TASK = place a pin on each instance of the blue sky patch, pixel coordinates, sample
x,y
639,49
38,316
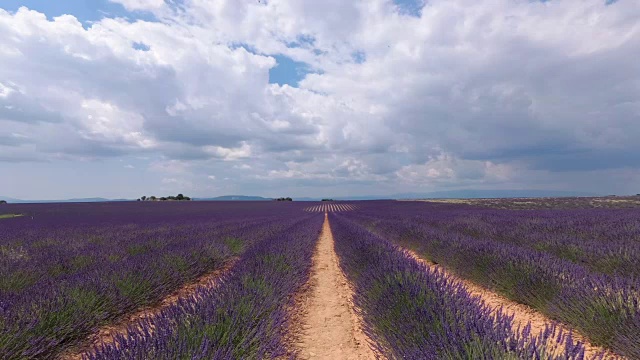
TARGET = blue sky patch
x,y
141,46
288,71
303,41
86,11
359,57
247,47
410,7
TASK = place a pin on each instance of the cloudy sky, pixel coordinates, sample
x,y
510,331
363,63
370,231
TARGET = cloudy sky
x,y
122,98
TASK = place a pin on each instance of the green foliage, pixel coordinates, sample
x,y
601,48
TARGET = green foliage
x,y
177,262
45,243
179,197
235,245
137,249
56,270
17,281
278,262
80,302
81,261
134,287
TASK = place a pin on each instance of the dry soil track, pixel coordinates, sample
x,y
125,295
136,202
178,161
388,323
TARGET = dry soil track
x,y
107,333
522,314
330,329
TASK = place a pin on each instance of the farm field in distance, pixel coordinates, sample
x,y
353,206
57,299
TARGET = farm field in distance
x,y
444,279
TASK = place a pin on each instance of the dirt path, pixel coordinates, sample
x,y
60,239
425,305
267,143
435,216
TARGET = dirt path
x,y
330,328
522,314
106,334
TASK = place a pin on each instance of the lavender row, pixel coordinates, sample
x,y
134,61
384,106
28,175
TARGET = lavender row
x,y
413,312
72,268
605,308
244,318
605,241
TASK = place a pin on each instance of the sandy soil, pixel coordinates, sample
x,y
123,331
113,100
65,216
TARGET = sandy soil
x,y
329,327
523,314
107,333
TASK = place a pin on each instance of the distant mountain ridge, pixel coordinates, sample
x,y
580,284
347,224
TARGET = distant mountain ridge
x,y
478,194
99,199
234,198
78,200
449,194
462,194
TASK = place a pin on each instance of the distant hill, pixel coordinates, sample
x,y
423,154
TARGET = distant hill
x,y
99,199
346,198
460,194
234,198
79,200
479,194
93,200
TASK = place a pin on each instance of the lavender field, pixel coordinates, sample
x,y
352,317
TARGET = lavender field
x,y
579,267
69,270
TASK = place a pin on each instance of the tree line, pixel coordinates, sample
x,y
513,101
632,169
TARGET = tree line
x,y
179,197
